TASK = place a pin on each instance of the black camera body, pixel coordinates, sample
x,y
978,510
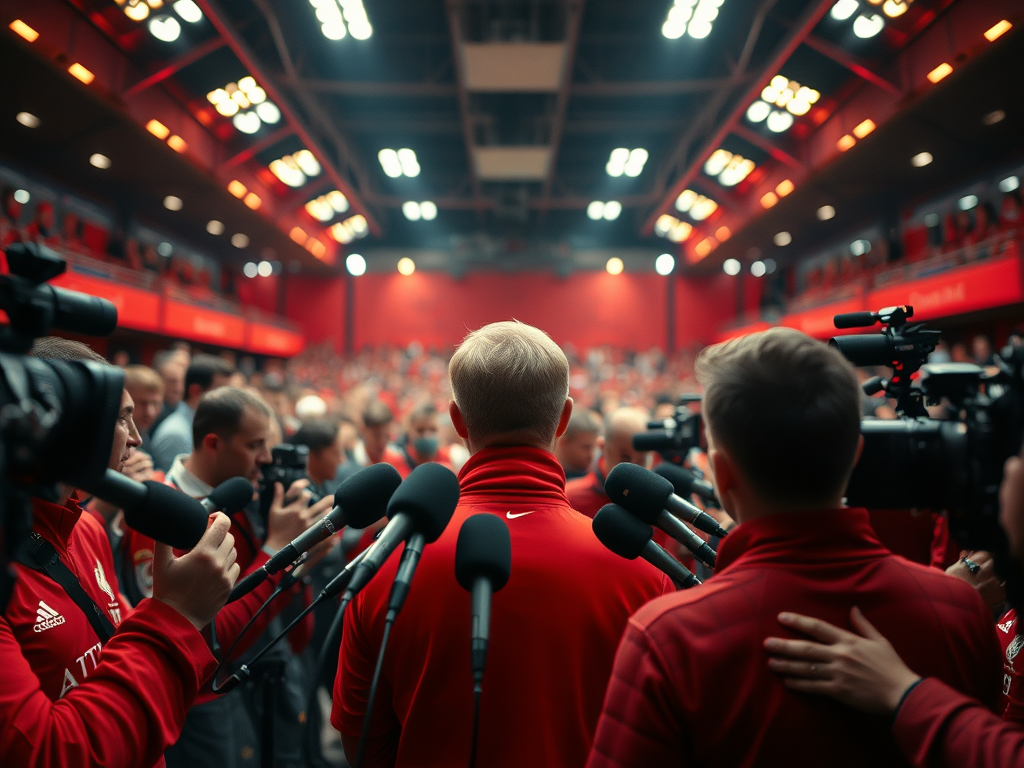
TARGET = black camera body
x,y
954,464
288,463
673,438
56,417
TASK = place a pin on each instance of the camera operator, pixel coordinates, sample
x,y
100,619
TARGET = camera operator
x,y
586,494
62,702
555,624
782,417
322,437
934,724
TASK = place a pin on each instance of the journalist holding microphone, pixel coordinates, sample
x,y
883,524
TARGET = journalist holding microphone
x,y
554,626
87,680
690,684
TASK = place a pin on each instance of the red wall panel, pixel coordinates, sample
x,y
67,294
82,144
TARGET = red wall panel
x,y
703,306
317,305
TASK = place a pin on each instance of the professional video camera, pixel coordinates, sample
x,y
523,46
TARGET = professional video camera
x,y
673,438
288,463
953,464
56,418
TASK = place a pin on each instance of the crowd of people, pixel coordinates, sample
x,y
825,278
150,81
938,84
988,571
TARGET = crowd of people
x,y
593,659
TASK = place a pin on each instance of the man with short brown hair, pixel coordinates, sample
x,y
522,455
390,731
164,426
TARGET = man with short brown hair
x,y
690,684
555,624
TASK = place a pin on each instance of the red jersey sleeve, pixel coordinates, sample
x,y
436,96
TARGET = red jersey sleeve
x,y
640,723
938,727
128,711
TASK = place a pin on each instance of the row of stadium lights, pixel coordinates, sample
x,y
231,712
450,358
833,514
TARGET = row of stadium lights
x,y
356,265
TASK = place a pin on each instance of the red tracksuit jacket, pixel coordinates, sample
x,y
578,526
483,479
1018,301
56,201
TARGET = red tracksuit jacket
x,y
691,684
554,630
138,690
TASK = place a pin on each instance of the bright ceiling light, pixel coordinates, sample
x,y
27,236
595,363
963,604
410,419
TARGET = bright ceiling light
x,y
158,129
758,111
967,202
705,246
79,72
237,188
246,102
939,72
612,209
165,28
895,8
664,264
215,227
690,16
845,143
239,240
635,164
294,169
99,161
136,12
410,165
250,269
729,168
616,164
685,200
595,211
784,187
355,264
680,231
921,159
428,210
768,199
844,9
406,266
860,247
731,267
252,200
722,234
19,27
268,112
778,122
782,239
868,26
998,30
298,235
863,128
664,223
389,163
1009,184
22,196
247,122
265,269
411,210
188,11
825,213
614,266
27,119
757,269
172,203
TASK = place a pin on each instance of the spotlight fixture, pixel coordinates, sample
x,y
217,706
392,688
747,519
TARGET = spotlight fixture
x,y
298,235
245,102
722,234
250,269
664,264
698,206
265,269
939,72
22,196
614,266
729,168
27,119
411,210
188,11
758,269
780,100
158,129
402,162
1009,184
782,239
22,29
768,199
172,203
237,188
690,16
355,264
428,210
239,240
350,229
921,159
731,267
295,169
863,128
215,227
825,213
967,202
784,187
998,30
705,246
860,247
99,161
845,142
325,207
332,19
252,200
406,266
79,72
672,228
165,28
629,162
844,9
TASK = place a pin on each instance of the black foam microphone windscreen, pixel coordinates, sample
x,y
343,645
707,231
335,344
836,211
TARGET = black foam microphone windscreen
x,y
483,550
168,515
641,491
365,495
232,495
623,533
428,496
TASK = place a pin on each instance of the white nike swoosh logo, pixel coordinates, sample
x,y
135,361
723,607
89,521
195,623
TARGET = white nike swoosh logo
x,y
510,516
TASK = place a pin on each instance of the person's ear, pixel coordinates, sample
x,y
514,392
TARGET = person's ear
x,y
563,421
211,442
457,421
723,472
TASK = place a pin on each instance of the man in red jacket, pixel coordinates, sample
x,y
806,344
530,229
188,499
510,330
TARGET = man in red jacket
x,y
554,626
690,685
69,697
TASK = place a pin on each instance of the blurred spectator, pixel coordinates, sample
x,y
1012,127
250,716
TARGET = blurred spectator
x,y
10,219
577,447
958,353
1009,213
325,454
42,228
586,494
376,434
147,390
981,348
310,407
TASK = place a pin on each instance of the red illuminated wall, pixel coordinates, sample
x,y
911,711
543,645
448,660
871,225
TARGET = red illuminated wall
x,y
586,309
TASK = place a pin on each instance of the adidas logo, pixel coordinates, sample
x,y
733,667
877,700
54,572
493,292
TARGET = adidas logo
x,y
46,618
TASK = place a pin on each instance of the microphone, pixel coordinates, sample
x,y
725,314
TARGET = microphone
x,y
643,492
153,509
630,537
686,482
229,497
423,503
359,501
483,562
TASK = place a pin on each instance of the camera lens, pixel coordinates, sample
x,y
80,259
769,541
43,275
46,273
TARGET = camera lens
x,y
865,349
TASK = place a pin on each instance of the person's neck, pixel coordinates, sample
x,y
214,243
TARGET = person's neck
x,y
753,510
193,402
196,468
475,446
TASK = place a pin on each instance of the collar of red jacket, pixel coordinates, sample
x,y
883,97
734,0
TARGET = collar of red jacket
x,y
513,473
825,535
55,522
